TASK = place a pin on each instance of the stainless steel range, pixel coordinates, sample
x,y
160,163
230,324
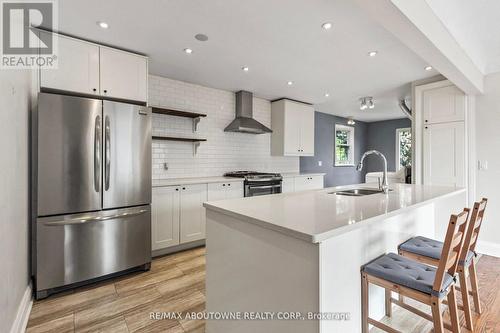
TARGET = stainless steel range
x,y
258,183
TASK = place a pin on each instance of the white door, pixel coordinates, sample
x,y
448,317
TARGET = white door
x,y
443,104
165,217
444,154
216,191
192,212
292,128
307,131
78,67
123,75
234,190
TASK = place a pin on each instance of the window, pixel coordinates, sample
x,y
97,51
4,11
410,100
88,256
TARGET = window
x,y
344,145
403,147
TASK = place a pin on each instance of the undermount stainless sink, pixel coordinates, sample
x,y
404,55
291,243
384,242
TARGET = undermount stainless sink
x,y
357,192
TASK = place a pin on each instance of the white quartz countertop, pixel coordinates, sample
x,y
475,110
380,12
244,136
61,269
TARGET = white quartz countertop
x,y
298,174
193,180
316,215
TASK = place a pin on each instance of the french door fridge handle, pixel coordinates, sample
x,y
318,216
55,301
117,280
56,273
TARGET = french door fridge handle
x,y
97,154
107,148
83,220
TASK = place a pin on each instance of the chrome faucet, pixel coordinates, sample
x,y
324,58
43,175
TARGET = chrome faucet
x,y
385,185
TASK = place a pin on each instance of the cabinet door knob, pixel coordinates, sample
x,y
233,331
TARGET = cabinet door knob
x,y
228,184
426,127
223,184
94,89
177,189
183,188
105,91
426,120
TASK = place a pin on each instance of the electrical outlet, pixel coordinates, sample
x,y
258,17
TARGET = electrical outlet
x,y
482,165
320,163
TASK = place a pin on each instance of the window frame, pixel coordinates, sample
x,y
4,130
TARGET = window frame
x,y
398,156
351,130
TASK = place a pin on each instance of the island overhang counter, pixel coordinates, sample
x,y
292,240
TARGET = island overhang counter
x,y
299,254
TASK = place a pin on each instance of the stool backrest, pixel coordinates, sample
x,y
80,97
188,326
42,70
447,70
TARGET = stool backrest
x,y
474,227
452,247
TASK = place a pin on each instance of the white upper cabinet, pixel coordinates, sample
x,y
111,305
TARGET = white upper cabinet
x,y
443,104
293,128
91,69
78,67
123,75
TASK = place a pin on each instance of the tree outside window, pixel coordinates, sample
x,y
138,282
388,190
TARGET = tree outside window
x,y
403,147
344,145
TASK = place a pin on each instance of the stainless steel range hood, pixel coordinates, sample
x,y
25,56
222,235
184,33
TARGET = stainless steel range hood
x,y
244,121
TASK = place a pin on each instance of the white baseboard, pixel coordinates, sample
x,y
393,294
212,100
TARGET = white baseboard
x,y
23,312
488,248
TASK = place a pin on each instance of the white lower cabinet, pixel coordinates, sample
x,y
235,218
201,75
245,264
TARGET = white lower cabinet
x,y
222,191
192,212
165,217
288,185
178,215
303,183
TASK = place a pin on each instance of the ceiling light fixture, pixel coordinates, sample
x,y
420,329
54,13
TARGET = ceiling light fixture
x,y
326,25
188,50
201,37
350,121
289,83
366,103
372,53
245,68
327,95
428,68
103,25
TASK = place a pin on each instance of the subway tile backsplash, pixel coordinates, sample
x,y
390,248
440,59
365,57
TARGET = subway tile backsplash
x,y
223,151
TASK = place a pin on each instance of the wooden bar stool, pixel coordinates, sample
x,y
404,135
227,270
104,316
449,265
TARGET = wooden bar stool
x,y
428,251
421,282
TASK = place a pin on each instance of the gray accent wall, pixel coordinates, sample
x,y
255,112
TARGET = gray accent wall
x,y
380,135
324,146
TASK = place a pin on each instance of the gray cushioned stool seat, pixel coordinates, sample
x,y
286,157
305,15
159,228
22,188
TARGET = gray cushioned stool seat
x,y
428,247
406,272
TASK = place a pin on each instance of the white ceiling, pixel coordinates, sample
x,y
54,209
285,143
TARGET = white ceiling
x,y
278,40
475,25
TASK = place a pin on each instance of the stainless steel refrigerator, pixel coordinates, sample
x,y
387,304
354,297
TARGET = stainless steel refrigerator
x,y
91,190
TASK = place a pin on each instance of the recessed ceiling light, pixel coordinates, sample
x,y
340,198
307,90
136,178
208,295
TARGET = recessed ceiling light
x,y
103,25
188,50
289,83
326,25
428,68
372,53
245,68
201,37
327,95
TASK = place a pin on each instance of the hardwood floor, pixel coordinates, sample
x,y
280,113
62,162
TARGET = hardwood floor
x,y
175,283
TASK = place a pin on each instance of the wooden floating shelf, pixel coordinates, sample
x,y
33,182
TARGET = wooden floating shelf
x,y
178,113
172,138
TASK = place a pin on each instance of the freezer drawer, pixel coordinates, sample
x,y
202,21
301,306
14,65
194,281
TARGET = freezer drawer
x,y
69,154
79,247
127,155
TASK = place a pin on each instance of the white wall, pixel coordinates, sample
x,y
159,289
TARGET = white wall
x,y
223,151
14,192
488,149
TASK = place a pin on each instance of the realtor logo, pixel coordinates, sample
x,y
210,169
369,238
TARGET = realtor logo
x,y
23,45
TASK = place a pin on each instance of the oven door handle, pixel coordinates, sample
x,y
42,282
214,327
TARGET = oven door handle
x,y
263,187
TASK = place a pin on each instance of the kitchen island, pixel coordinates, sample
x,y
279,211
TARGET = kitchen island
x,y
294,259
